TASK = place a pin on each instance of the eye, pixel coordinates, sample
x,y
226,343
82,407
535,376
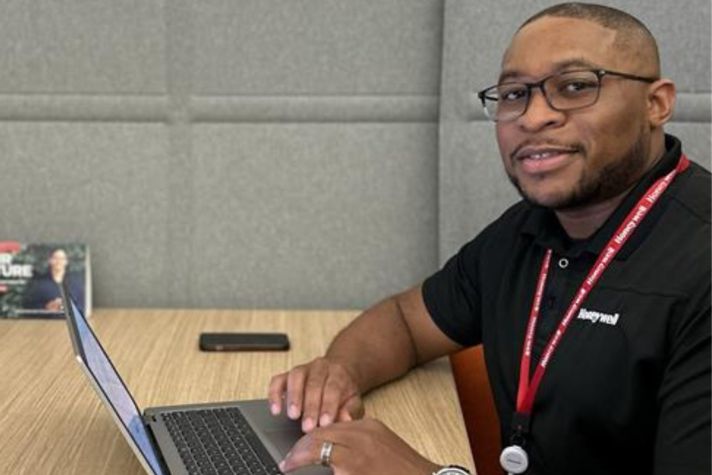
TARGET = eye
x,y
512,93
576,87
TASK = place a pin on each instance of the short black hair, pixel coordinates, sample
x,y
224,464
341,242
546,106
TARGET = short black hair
x,y
630,30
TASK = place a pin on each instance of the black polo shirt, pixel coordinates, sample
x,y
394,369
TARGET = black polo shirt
x,y
628,389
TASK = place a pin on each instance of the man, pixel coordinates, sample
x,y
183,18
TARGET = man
x,y
591,296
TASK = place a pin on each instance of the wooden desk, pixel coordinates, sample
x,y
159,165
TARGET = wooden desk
x,y
52,422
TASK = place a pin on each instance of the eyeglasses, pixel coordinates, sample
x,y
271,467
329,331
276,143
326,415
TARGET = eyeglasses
x,y
563,92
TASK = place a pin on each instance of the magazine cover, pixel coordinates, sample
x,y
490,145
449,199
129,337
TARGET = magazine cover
x,y
31,275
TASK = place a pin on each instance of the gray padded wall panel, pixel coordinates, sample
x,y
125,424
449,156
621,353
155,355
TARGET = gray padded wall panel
x,y
473,188
76,46
103,184
271,153
695,139
263,215
322,47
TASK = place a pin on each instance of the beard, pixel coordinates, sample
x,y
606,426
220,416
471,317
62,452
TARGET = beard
x,y
595,186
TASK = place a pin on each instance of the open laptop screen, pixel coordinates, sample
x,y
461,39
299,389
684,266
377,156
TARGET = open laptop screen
x,y
109,382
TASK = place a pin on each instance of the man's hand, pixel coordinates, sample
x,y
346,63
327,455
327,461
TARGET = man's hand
x,y
320,392
364,447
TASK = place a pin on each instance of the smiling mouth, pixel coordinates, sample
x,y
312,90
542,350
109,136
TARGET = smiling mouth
x,y
543,159
541,153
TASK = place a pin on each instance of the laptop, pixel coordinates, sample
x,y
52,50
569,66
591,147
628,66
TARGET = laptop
x,y
239,437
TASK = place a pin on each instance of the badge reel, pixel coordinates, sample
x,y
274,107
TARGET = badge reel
x,y
514,460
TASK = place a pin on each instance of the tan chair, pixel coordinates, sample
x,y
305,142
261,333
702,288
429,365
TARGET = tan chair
x,y
478,409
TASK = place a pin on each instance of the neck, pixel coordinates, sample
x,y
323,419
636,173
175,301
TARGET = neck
x,y
58,276
581,223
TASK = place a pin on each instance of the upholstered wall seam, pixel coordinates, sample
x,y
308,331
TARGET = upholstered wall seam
x,y
315,108
177,259
84,107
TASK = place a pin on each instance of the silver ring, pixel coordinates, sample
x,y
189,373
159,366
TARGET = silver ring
x,y
325,456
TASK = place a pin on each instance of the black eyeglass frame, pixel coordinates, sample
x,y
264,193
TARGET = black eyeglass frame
x,y
600,73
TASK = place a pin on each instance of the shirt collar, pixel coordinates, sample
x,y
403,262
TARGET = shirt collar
x,y
544,226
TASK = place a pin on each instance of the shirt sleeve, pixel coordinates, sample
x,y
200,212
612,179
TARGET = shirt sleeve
x,y
683,438
452,296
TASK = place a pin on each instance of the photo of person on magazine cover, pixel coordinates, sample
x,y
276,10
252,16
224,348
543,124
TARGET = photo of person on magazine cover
x,y
44,289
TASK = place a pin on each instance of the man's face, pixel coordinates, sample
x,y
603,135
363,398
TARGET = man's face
x,y
567,160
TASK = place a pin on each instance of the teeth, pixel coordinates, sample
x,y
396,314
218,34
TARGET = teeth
x,y
539,156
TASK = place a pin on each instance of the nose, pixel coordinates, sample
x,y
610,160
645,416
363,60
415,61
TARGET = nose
x,y
539,114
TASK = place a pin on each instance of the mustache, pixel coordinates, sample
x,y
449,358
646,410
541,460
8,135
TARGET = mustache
x,y
546,143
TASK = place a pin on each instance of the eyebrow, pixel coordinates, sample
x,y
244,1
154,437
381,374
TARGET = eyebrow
x,y
558,67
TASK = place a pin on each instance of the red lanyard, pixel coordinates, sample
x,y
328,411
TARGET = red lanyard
x,y
527,390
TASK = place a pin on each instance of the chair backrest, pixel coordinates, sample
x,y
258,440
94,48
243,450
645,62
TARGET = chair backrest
x,y
478,409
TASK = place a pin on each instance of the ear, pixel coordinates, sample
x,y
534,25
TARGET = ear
x,y
661,102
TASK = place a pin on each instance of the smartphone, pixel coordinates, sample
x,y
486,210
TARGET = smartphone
x,y
243,342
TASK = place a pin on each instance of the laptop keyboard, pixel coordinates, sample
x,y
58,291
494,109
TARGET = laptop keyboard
x,y
218,441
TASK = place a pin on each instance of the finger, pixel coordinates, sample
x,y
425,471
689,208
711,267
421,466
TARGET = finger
x,y
334,393
352,409
307,451
301,455
314,389
275,393
295,392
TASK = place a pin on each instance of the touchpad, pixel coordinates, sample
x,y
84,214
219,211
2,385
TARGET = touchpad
x,y
283,439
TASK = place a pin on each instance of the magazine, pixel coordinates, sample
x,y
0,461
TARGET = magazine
x,y
31,276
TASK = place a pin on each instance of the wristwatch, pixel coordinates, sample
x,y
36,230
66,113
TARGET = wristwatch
x,y
452,470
